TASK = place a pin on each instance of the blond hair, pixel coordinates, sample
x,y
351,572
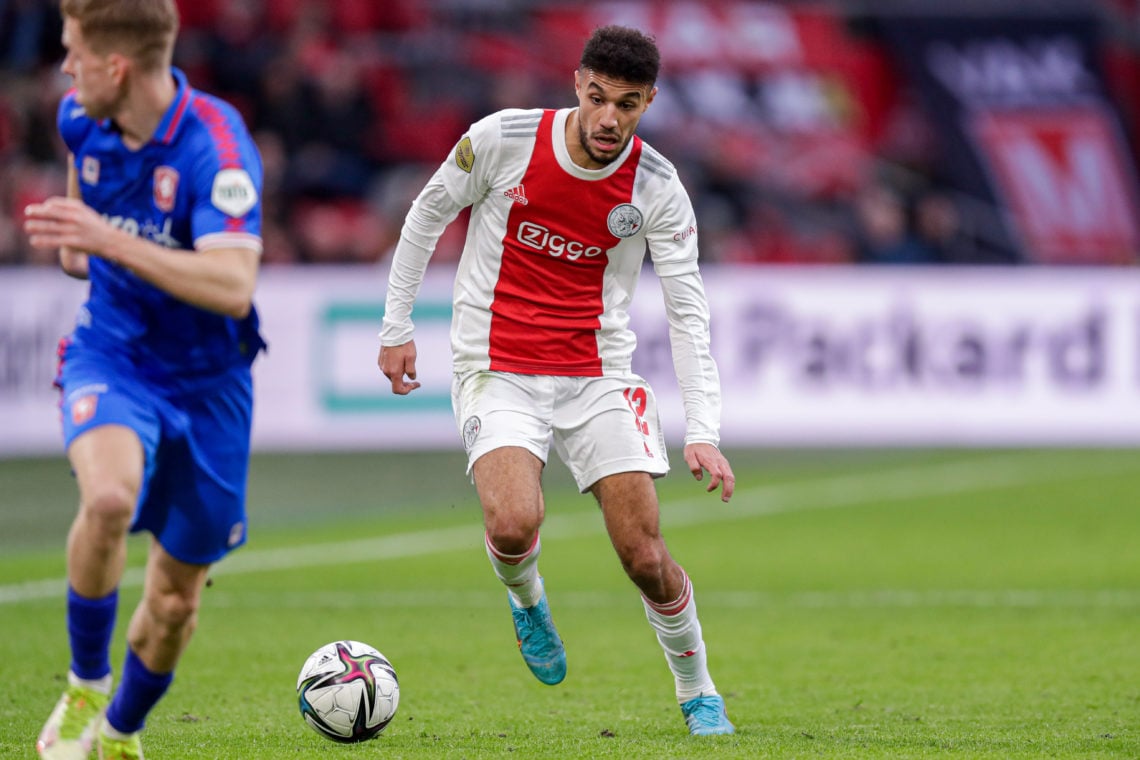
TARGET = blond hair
x,y
143,30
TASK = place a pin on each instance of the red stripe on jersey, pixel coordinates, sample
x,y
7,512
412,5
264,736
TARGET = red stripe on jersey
x,y
548,299
225,142
184,98
220,132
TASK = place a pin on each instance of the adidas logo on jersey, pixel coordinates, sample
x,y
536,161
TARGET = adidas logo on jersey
x,y
517,194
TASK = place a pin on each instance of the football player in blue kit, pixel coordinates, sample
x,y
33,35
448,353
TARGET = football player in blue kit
x,y
162,216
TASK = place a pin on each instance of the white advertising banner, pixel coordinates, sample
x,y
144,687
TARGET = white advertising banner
x,y
901,356
37,308
827,356
319,386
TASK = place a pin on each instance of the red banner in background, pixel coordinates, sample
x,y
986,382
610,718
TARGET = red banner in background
x,y
1026,122
1065,177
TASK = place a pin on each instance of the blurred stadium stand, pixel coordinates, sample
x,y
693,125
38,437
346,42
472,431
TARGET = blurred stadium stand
x,y
807,132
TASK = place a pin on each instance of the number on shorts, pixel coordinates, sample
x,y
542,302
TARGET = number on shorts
x,y
638,400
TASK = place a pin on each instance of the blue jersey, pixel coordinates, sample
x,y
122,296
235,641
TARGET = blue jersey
x,y
195,185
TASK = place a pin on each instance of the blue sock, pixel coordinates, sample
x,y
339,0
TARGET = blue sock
x,y
90,623
138,693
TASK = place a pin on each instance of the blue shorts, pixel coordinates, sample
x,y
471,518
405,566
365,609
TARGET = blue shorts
x,y
196,444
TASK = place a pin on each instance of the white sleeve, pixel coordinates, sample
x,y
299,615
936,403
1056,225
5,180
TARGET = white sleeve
x,y
687,310
430,214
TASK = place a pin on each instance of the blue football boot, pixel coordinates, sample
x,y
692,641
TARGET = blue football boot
x,y
706,716
539,643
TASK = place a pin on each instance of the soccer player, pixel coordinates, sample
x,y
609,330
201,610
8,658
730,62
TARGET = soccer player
x,y
162,216
564,203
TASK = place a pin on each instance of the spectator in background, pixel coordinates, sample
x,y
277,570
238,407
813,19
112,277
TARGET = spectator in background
x,y
278,106
789,128
883,229
938,228
239,47
279,244
336,120
311,104
27,29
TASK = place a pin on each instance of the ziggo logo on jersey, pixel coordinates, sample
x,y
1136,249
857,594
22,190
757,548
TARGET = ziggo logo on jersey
x,y
542,239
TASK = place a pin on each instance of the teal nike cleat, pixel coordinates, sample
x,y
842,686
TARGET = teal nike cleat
x,y
706,716
539,643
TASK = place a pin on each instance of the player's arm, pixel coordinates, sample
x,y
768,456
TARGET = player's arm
x,y
671,232
218,279
458,182
73,262
429,215
687,311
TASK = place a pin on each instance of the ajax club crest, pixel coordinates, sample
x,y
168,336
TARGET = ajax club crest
x,y
624,220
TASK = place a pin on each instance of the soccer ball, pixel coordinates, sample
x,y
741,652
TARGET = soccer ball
x,y
347,691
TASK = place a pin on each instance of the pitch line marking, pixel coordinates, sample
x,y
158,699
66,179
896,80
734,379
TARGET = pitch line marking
x,y
825,600
966,475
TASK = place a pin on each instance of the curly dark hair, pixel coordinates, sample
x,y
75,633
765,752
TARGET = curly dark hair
x,y
622,53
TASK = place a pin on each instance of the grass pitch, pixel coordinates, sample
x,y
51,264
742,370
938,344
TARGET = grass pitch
x,y
864,604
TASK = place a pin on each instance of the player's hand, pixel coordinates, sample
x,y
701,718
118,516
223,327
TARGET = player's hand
x,y
398,362
67,223
704,456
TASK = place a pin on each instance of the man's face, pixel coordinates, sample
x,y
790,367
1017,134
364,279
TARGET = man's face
x,y
608,113
96,86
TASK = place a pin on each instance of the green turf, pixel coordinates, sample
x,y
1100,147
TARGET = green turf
x,y
858,604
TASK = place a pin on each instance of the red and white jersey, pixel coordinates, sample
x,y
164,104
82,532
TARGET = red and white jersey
x,y
553,256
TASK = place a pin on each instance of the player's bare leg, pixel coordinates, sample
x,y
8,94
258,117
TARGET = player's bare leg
x,y
167,616
159,631
509,483
108,466
629,506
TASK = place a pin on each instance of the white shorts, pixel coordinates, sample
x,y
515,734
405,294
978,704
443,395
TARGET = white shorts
x,y
599,425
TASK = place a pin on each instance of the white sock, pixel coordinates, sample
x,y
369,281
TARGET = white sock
x,y
518,572
101,685
679,633
112,733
